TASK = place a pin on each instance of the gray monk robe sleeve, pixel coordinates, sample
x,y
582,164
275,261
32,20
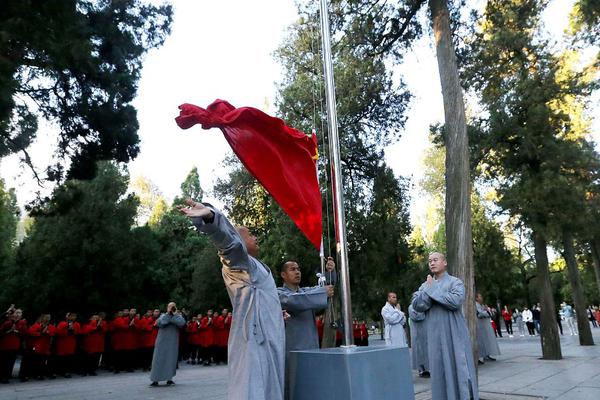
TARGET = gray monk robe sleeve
x,y
257,335
450,298
314,298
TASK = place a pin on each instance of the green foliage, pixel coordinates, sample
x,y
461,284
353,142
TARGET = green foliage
x,y
190,188
82,254
76,63
585,20
9,217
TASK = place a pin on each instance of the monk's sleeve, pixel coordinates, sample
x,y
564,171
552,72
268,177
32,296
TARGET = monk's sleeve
x,y
421,301
450,297
314,298
392,316
178,320
481,313
163,320
226,238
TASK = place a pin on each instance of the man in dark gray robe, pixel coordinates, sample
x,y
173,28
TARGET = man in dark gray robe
x,y
418,339
486,339
164,358
453,375
300,304
257,336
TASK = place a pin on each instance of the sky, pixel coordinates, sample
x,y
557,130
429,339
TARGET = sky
x,y
224,50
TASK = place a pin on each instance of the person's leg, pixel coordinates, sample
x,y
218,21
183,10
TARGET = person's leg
x,y
7,362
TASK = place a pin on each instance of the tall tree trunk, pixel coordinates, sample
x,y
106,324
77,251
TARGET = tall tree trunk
x,y
459,240
595,248
585,333
549,335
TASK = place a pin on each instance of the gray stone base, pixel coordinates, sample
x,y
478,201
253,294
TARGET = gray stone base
x,y
355,373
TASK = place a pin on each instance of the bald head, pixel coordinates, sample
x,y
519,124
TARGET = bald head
x,y
392,298
437,263
249,240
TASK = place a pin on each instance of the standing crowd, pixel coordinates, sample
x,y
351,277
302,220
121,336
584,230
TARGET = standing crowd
x,y
125,343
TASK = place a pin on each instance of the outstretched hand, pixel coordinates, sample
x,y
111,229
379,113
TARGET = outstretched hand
x,y
194,209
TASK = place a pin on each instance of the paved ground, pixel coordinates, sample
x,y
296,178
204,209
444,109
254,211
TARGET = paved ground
x,y
518,374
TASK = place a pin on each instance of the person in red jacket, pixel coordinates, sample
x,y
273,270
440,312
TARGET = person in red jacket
x,y
320,327
193,337
94,335
148,332
208,337
65,345
123,341
219,333
364,334
38,347
12,332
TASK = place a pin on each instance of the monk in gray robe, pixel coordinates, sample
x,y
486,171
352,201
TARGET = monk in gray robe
x,y
166,348
395,321
257,337
418,337
451,363
300,304
486,339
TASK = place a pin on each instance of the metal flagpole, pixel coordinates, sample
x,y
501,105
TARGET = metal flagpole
x,y
334,153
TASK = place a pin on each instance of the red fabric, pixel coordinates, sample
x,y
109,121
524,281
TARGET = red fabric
x,y
39,341
320,329
66,341
507,315
219,329
12,341
207,336
193,333
364,333
147,332
356,330
93,341
281,158
124,335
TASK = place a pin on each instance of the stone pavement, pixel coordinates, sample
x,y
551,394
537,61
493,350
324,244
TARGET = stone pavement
x,y
518,374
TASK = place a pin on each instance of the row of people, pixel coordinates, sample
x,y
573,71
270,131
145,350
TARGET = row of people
x,y
123,344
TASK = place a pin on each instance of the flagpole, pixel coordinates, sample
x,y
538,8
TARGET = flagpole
x,y
334,154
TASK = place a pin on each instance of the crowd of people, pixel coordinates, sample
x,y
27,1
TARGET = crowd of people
x,y
123,344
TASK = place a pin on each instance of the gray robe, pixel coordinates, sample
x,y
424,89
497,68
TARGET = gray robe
x,y
166,348
257,335
395,320
301,329
486,339
451,364
518,317
418,336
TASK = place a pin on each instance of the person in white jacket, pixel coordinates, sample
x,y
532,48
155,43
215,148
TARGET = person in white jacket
x,y
528,319
395,321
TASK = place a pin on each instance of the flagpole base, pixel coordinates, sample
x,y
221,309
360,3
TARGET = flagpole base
x,y
351,373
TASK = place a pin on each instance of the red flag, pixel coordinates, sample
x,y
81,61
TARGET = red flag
x,y
281,158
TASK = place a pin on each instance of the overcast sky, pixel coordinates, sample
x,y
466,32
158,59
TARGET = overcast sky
x,y
223,49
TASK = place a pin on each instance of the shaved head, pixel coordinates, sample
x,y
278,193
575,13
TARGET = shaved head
x,y
249,240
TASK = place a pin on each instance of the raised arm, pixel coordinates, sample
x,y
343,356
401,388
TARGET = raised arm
x,y
481,311
314,298
210,221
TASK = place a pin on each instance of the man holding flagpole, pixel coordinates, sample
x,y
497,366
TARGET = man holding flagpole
x,y
256,367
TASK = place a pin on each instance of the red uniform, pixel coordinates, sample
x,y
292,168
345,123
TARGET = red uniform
x,y
193,333
12,341
207,334
95,333
219,331
364,334
147,332
124,334
66,339
39,340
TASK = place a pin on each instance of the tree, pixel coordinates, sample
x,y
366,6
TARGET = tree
x,y
9,217
75,63
149,197
536,141
585,20
190,188
82,255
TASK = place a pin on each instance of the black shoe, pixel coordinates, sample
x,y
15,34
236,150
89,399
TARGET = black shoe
x,y
193,362
480,362
425,374
154,384
169,383
67,375
93,374
206,363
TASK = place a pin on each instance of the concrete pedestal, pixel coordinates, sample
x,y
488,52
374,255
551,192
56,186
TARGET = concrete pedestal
x,y
355,373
